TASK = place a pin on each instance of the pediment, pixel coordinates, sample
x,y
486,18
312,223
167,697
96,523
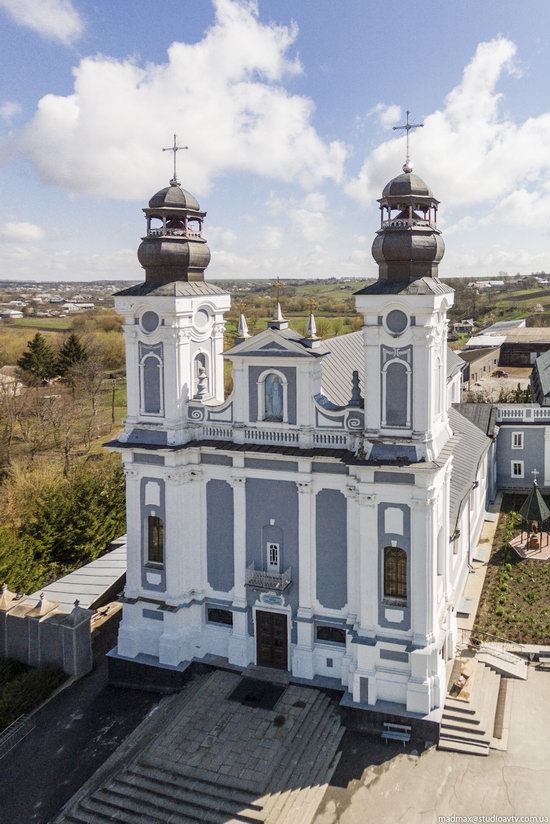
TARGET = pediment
x,y
271,343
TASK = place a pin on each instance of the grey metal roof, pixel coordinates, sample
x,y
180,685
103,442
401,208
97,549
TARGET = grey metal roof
x,y
89,583
344,354
455,363
420,286
542,368
176,288
467,445
482,415
407,183
174,196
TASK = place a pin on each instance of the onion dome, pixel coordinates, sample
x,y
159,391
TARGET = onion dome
x,y
408,244
174,248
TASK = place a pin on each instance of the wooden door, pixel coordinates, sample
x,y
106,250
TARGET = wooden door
x,y
271,640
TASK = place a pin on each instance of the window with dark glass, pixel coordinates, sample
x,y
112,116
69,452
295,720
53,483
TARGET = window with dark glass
x,y
395,573
155,540
273,388
219,616
334,635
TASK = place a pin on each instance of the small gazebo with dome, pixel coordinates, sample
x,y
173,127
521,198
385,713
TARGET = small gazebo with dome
x,y
533,539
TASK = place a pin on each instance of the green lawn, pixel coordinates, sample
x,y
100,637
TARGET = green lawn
x,y
44,324
515,602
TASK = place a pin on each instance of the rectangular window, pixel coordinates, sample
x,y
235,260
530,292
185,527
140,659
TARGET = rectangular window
x,y
155,540
517,469
334,635
219,616
517,440
273,557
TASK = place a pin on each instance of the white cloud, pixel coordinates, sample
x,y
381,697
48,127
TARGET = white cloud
x,y
387,115
53,19
22,232
9,109
272,237
224,95
468,151
221,238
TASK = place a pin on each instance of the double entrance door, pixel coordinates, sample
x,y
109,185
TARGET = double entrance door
x,y
271,640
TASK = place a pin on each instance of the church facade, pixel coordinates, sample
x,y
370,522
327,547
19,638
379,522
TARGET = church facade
x,y
321,518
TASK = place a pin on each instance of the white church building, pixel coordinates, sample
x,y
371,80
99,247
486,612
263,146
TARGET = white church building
x,y
322,518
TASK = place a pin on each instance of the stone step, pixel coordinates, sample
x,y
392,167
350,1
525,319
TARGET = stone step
x,y
177,782
463,747
274,676
452,715
111,810
472,729
81,816
206,798
230,782
505,666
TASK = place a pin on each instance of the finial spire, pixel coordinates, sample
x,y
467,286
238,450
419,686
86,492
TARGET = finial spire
x,y
311,325
407,128
175,149
278,321
242,328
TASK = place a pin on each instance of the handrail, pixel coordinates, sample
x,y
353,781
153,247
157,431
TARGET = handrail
x,y
480,636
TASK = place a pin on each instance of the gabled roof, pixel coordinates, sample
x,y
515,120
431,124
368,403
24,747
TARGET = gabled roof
x,y
344,355
467,445
455,364
482,415
542,367
274,343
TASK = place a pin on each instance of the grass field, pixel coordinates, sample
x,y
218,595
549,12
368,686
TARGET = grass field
x,y
43,324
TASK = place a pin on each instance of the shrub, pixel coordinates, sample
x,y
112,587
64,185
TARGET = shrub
x,y
27,690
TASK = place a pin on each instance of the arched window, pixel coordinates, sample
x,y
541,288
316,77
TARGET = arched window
x,y
273,398
395,573
155,540
151,385
201,362
396,391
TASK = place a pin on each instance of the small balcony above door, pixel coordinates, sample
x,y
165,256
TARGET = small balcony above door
x,y
268,580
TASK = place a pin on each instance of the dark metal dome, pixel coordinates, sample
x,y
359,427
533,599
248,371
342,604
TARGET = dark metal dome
x,y
174,197
407,184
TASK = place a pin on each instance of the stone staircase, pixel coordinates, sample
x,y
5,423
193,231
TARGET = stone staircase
x,y
151,789
503,661
467,725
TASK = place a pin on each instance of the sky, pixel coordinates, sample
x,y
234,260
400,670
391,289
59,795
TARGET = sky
x,y
287,108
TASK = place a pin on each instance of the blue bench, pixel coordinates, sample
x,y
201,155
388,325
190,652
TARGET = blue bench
x,y
396,732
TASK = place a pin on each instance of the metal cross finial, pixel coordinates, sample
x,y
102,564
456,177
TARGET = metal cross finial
x,y
241,306
312,304
534,473
408,127
175,148
277,287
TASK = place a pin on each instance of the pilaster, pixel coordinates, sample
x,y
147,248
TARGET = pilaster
x,y
133,533
368,563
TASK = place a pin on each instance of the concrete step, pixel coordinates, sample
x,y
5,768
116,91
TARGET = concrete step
x,y
239,785
450,714
462,747
206,800
82,816
274,676
452,726
512,666
111,810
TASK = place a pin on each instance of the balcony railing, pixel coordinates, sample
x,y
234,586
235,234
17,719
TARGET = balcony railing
x,y
260,579
175,233
523,412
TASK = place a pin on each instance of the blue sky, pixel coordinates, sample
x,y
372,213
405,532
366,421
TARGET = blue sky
x,y
287,108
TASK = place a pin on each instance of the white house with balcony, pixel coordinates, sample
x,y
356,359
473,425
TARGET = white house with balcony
x,y
321,518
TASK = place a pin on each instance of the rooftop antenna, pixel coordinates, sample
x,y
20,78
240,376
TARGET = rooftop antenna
x,y
407,128
175,149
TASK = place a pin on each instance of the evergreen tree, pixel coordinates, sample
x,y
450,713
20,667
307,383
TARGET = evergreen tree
x,y
38,361
71,352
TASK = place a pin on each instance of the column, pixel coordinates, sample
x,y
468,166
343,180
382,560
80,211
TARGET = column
x,y
217,361
353,553
133,533
132,371
422,572
368,565
239,641
238,483
302,658
174,531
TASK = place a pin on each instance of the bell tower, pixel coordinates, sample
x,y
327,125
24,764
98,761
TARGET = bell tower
x,y
405,320
173,321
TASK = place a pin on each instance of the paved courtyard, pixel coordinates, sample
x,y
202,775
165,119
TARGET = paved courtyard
x,y
416,789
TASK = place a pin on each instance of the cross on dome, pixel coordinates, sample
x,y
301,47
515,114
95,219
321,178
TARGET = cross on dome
x,y
175,149
534,473
407,128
